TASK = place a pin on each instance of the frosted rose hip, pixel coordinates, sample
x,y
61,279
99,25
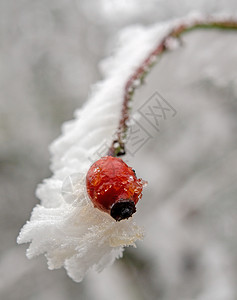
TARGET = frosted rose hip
x,y
113,187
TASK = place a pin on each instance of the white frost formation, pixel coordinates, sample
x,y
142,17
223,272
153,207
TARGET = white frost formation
x,y
66,227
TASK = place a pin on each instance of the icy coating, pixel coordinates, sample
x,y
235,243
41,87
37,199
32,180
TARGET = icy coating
x,y
76,235
65,226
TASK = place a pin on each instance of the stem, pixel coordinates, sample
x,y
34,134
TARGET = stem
x,y
118,145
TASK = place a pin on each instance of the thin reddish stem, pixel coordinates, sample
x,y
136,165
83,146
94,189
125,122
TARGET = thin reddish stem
x,y
118,145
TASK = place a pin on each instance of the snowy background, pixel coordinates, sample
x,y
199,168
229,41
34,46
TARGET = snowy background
x,y
49,57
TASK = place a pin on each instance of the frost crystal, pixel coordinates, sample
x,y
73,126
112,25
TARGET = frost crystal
x,y
75,234
66,227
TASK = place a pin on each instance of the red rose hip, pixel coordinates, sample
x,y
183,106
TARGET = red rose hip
x,y
113,187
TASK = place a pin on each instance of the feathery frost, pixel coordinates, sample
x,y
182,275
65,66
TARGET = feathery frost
x,y
65,226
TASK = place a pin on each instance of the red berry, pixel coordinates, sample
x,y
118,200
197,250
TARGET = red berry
x,y
113,187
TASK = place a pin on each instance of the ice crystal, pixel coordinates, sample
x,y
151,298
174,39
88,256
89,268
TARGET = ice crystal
x,y
65,226
75,234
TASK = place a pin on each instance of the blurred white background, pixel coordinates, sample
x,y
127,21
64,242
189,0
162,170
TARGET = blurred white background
x,y
49,54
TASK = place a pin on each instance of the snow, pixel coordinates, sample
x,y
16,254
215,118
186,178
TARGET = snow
x,y
66,227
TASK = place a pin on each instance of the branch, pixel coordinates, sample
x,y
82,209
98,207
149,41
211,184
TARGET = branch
x,y
118,145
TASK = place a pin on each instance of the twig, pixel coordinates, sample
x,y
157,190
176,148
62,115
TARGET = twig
x,y
118,145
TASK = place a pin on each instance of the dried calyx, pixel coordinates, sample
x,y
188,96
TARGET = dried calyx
x,y
123,209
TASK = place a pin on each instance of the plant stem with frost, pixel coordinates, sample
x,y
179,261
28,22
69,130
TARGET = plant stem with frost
x,y
136,79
